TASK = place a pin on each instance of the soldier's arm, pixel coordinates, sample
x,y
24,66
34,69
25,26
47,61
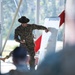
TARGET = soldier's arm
x,y
3,59
39,27
16,36
8,56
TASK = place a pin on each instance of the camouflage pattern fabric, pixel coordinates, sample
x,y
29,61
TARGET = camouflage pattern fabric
x,y
25,33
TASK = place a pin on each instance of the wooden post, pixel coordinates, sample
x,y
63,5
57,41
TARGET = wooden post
x,y
11,25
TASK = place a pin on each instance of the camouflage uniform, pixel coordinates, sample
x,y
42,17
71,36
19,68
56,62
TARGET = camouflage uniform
x,y
25,33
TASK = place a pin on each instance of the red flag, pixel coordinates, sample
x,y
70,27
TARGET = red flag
x,y
62,18
38,41
37,44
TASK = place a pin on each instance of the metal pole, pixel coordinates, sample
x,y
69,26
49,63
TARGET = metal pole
x,y
37,16
0,24
37,11
16,7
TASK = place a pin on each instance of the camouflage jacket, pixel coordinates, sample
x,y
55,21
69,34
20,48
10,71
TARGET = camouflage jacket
x,y
25,33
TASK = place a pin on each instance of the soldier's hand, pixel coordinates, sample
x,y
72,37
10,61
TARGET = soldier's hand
x,y
3,59
23,41
46,30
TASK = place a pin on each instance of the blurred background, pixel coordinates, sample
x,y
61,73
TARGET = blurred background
x,y
36,11
37,15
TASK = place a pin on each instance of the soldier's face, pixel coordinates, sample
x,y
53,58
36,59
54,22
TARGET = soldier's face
x,y
24,24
